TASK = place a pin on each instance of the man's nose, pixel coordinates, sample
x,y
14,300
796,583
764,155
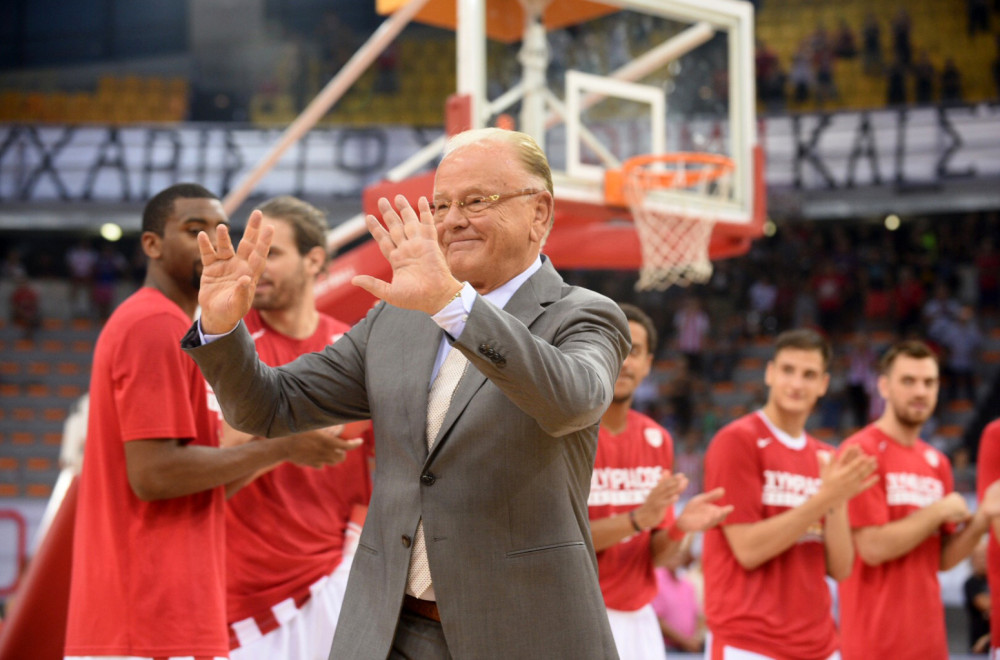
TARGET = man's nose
x,y
454,217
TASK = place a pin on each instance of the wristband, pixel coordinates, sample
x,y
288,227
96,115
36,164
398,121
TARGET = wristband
x,y
635,525
675,533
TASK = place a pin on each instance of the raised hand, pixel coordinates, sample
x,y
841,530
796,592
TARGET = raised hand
x,y
229,276
848,474
666,491
702,513
421,279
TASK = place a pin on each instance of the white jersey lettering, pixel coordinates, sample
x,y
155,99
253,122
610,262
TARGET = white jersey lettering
x,y
908,489
622,486
787,488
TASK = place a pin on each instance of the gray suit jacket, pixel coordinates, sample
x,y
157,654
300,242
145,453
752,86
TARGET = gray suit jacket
x,y
503,493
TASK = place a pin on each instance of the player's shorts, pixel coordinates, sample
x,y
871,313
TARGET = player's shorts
x,y
637,634
727,652
304,633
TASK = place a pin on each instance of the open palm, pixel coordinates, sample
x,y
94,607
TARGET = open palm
x,y
229,275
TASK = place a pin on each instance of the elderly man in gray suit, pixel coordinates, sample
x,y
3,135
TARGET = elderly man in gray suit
x,y
485,376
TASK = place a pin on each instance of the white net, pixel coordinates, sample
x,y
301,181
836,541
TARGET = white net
x,y
675,232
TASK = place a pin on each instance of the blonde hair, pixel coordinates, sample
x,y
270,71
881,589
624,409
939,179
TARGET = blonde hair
x,y
530,155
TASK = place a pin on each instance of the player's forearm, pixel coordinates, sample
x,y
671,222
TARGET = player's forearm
x,y
878,544
838,544
959,545
754,544
168,469
610,531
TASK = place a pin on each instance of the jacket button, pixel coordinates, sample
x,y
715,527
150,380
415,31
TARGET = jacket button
x,y
428,479
406,541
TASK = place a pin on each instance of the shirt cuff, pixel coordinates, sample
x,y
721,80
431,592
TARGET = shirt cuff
x,y
453,316
208,339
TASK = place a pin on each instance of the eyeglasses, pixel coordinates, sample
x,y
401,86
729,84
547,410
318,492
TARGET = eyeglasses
x,y
475,205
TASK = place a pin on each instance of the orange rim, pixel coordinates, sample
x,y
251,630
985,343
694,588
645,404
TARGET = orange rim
x,y
689,168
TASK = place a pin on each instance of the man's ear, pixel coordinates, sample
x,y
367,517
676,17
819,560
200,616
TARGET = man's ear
x,y
152,244
543,215
315,260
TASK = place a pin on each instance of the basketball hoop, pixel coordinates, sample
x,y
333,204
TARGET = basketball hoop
x,y
675,228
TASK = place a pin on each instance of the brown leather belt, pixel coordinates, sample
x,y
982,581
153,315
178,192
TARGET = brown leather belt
x,y
425,608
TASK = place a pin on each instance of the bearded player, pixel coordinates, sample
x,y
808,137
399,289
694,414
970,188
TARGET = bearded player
x,y
631,501
766,594
290,533
910,526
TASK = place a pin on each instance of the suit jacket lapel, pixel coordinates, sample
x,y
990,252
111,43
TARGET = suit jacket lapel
x,y
527,303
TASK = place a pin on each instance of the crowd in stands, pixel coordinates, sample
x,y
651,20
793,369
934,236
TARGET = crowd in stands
x,y
889,51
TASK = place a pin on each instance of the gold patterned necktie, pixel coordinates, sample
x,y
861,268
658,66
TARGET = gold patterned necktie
x,y
438,401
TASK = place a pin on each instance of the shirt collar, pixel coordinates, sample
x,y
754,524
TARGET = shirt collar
x,y
501,295
781,436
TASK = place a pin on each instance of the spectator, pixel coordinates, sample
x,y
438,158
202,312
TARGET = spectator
x,y
690,461
871,35
680,393
979,16
845,46
802,75
877,304
108,270
80,260
951,83
681,616
961,340
806,310
964,470
861,377
901,47
923,79
763,295
819,42
909,301
765,62
692,327
941,307
387,78
988,266
24,306
826,88
725,349
896,84
13,265
776,98
977,600
831,294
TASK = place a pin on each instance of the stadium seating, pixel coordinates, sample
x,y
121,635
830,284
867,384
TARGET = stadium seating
x,y
39,382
